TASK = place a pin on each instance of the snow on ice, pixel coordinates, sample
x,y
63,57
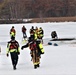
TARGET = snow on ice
x,y
57,60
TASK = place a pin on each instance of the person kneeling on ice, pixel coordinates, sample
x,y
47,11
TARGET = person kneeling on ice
x,y
54,35
13,48
36,48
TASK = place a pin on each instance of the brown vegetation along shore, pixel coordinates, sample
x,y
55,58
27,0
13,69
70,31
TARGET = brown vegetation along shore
x,y
40,20
54,19
11,21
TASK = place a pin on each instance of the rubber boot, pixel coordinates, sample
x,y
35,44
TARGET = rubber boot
x,y
14,67
35,66
38,65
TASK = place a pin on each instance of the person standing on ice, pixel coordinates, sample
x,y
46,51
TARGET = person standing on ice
x,y
31,30
24,32
36,49
12,32
13,49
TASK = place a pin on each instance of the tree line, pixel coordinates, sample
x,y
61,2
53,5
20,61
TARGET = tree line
x,y
20,9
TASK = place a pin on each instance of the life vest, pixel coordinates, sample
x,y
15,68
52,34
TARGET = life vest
x,y
12,30
13,45
41,48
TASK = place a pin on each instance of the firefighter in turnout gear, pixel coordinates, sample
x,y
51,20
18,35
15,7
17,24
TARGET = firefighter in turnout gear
x,y
13,49
12,32
36,49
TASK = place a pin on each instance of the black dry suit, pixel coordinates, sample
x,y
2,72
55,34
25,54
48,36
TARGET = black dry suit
x,y
54,34
13,48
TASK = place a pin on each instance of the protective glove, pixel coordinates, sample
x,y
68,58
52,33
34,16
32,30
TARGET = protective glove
x,y
18,53
22,47
42,52
7,54
31,55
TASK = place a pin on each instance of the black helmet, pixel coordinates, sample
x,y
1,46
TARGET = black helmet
x,y
32,27
12,26
31,39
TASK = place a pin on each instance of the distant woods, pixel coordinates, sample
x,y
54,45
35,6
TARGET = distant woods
x,y
20,9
